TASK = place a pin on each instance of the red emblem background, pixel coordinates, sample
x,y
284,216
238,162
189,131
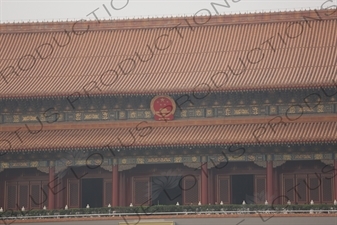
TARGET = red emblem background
x,y
163,108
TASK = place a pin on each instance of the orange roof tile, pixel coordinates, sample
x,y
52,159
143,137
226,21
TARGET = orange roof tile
x,y
252,134
193,57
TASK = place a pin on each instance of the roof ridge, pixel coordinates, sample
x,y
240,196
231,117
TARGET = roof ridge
x,y
161,22
140,17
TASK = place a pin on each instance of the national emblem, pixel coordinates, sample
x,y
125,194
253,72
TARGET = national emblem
x,y
163,108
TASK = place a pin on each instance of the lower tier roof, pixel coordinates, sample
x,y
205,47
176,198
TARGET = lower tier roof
x,y
171,136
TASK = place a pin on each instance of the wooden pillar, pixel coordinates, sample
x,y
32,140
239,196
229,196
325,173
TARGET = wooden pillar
x,y
122,189
335,178
2,190
60,193
211,198
270,182
276,187
115,186
51,185
204,184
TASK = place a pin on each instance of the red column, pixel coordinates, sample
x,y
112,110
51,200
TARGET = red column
x,y
122,189
51,195
204,184
335,178
115,185
269,181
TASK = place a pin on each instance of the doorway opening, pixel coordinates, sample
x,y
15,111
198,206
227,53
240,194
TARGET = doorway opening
x,y
166,190
92,192
242,188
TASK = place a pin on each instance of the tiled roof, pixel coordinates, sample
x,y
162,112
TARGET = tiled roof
x,y
194,58
251,134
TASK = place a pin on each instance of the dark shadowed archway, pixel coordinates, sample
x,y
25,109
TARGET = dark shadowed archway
x,y
242,186
92,192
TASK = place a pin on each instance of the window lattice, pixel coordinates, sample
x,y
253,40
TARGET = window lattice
x,y
191,191
301,190
327,190
73,195
34,197
224,190
45,195
314,189
108,193
288,189
11,195
141,192
260,190
23,196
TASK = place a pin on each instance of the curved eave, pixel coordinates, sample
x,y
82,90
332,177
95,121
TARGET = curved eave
x,y
181,145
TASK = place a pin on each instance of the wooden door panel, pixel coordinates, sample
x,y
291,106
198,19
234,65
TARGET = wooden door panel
x,y
223,189
191,190
73,194
260,189
141,191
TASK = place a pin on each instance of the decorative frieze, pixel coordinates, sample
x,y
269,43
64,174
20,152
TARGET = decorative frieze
x,y
23,164
91,116
159,160
209,112
193,161
191,112
303,156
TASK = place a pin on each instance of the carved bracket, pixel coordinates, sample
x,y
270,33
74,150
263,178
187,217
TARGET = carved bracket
x,y
59,169
275,163
327,161
193,165
261,163
278,163
212,163
107,167
125,167
43,169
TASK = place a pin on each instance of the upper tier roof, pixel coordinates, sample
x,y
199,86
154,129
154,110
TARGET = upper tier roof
x,y
279,50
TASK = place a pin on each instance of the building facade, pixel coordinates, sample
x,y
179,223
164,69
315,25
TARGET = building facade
x,y
158,111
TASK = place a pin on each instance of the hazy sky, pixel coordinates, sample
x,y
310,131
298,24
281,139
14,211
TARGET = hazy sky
x,y
48,10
